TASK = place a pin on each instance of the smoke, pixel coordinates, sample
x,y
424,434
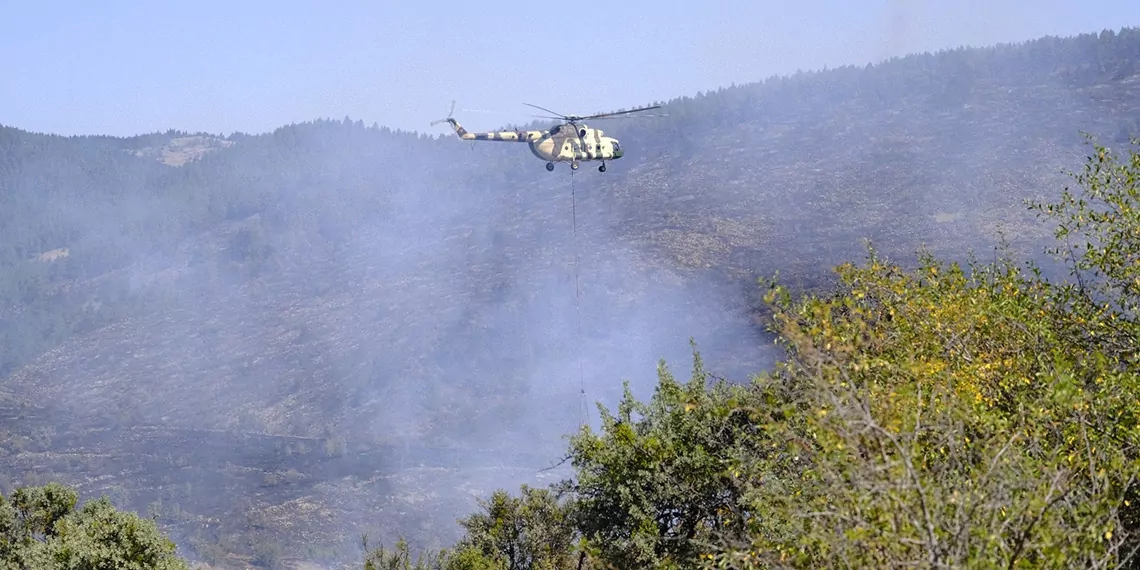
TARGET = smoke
x,y
385,327
388,328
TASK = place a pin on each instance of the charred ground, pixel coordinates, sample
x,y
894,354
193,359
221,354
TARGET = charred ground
x,y
295,337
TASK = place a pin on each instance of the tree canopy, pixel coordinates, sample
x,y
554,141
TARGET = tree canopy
x,y
40,527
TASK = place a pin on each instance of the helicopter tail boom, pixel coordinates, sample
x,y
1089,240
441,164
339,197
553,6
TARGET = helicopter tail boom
x,y
505,136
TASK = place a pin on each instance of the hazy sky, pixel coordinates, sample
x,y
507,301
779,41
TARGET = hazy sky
x,y
128,67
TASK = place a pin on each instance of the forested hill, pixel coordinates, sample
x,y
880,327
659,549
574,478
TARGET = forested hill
x,y
358,286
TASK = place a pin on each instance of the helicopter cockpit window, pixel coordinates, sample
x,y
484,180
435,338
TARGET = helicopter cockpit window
x,y
616,146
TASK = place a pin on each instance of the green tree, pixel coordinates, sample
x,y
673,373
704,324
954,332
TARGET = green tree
x,y
948,421
977,419
399,558
1099,226
40,528
652,486
532,531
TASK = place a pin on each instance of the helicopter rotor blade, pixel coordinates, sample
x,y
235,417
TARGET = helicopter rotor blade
x,y
560,115
626,117
604,115
574,119
484,111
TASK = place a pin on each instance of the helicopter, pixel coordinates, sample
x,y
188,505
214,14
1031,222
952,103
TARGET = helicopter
x,y
572,141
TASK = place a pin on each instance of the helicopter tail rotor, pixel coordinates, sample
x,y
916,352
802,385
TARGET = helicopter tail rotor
x,y
448,118
455,126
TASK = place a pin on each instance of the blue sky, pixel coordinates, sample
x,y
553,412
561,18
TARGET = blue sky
x,y
129,67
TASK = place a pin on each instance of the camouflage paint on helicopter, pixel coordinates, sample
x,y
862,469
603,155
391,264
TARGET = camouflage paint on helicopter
x,y
571,141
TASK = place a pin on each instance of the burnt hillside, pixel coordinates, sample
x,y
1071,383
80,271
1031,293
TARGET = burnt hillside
x,y
248,325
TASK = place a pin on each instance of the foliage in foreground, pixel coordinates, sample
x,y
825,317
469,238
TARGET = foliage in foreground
x,y
41,528
949,418
941,416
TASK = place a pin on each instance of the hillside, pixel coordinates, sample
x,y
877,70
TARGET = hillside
x,y
296,334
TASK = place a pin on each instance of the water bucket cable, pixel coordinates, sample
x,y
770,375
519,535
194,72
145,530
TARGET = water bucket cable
x,y
583,411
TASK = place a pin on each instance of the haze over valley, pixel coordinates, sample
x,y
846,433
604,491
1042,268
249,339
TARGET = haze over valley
x,y
275,342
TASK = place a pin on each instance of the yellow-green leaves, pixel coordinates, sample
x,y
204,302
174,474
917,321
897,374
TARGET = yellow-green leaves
x,y
966,418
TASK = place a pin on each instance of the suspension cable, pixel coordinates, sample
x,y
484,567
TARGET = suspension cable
x,y
584,413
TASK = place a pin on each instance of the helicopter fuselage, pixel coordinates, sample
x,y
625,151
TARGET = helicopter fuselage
x,y
568,142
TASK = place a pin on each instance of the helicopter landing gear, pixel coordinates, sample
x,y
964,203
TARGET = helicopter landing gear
x,y
574,165
550,167
602,168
